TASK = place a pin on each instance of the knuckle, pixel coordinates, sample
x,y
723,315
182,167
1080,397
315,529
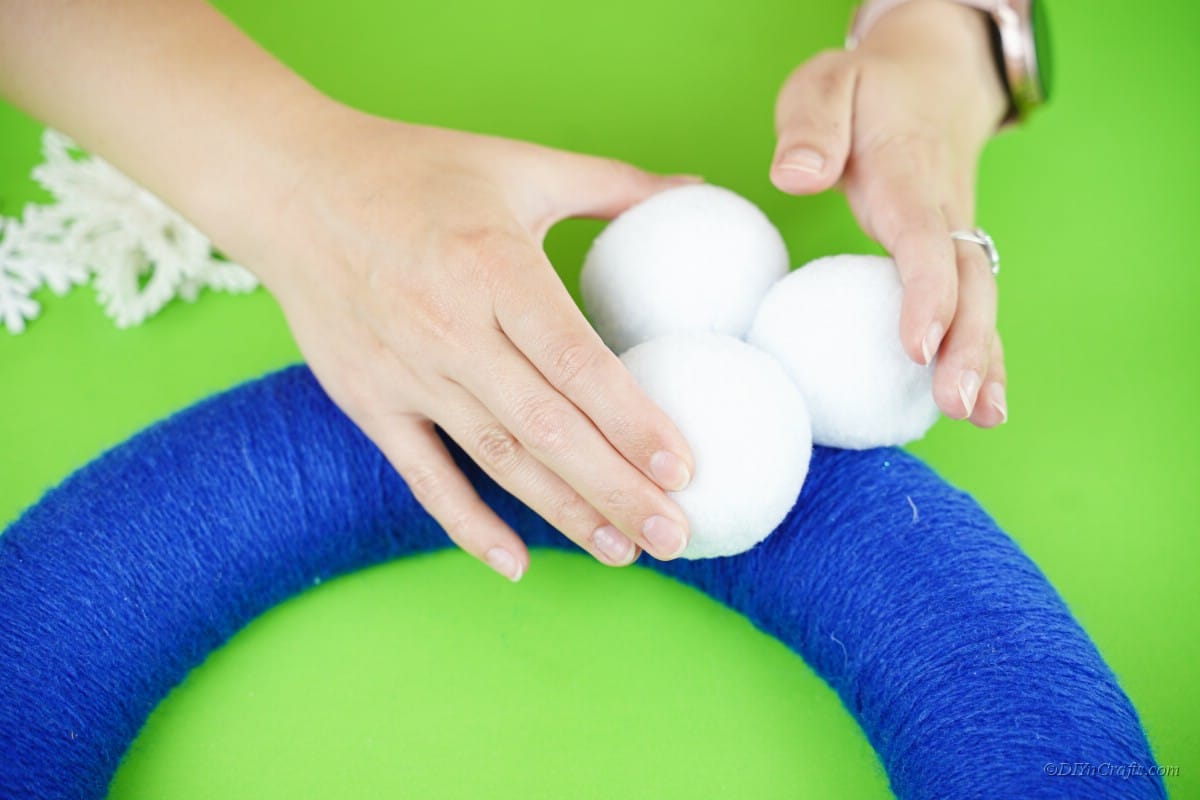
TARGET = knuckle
x,y
476,242
430,488
621,503
436,313
572,360
624,172
571,514
496,448
812,101
457,525
632,435
483,253
426,484
543,424
831,74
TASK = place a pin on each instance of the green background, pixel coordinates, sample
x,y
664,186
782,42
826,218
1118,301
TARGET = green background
x,y
434,678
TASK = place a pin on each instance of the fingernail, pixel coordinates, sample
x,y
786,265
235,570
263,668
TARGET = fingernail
x,y
613,544
932,340
996,392
670,471
665,536
968,389
802,159
505,563
684,180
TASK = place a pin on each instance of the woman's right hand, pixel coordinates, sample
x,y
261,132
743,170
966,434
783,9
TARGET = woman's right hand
x,y
408,262
407,259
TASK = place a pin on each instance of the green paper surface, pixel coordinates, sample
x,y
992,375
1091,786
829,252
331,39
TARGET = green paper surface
x,y
432,677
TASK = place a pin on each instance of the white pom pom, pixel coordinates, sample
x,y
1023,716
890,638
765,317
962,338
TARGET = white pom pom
x,y
835,326
693,258
748,428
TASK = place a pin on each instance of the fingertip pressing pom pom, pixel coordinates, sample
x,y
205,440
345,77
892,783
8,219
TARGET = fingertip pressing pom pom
x,y
834,326
748,429
689,259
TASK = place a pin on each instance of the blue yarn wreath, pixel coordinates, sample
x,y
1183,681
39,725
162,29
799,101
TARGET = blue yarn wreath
x,y
959,660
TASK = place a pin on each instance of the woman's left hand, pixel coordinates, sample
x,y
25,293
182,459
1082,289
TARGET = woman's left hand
x,y
899,124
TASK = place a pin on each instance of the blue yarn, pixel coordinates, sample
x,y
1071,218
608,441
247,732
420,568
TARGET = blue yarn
x,y
963,666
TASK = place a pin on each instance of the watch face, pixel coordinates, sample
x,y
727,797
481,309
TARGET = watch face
x,y
1041,47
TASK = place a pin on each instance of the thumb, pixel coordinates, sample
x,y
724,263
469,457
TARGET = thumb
x,y
813,116
574,185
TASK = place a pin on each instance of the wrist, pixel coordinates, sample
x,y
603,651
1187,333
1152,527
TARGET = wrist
x,y
252,194
954,42
319,189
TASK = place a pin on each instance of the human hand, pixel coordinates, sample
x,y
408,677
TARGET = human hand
x,y
899,124
407,260
411,272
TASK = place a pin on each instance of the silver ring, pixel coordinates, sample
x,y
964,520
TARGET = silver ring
x,y
979,236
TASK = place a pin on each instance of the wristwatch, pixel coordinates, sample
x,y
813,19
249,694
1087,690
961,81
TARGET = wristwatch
x,y
1020,41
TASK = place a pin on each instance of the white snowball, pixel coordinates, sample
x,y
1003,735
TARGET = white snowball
x,y
748,428
835,326
693,258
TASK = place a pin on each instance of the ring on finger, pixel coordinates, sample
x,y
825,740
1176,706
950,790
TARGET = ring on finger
x,y
980,237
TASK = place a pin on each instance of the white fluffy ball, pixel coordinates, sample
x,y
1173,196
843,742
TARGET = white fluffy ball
x,y
748,428
835,326
693,258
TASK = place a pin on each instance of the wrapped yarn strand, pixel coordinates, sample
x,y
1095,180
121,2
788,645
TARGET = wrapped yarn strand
x,y
960,661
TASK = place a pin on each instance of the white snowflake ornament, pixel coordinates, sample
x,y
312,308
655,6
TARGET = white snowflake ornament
x,y
17,281
138,251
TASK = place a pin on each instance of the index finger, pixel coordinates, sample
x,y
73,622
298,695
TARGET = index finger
x,y
897,197
543,322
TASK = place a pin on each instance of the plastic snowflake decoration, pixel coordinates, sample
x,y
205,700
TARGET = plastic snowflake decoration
x,y
138,252
16,282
